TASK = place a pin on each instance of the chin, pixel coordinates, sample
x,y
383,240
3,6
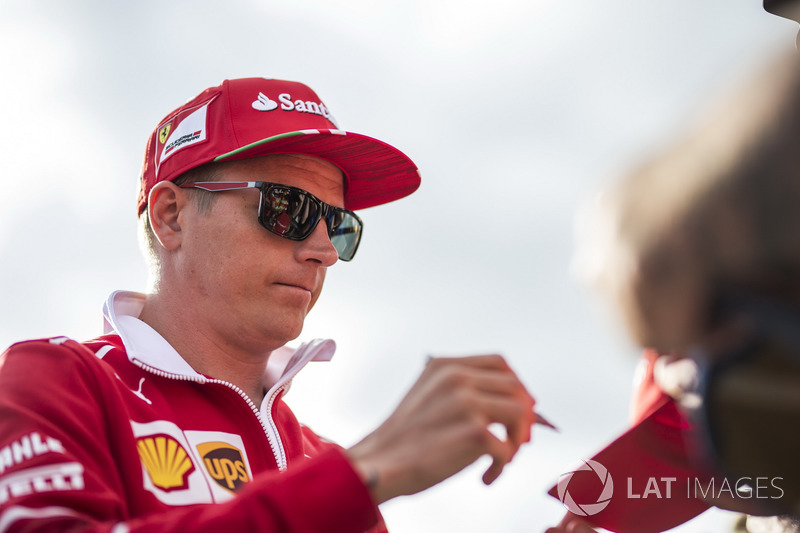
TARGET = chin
x,y
287,333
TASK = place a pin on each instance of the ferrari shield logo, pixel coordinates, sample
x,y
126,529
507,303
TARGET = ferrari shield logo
x,y
163,133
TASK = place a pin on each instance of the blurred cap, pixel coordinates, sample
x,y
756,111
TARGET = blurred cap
x,y
651,480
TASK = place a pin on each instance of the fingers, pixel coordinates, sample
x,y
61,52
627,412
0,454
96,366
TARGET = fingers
x,y
484,362
501,454
517,417
494,471
492,394
488,387
491,380
448,413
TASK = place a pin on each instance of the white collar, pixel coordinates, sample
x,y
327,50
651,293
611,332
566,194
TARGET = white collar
x,y
144,344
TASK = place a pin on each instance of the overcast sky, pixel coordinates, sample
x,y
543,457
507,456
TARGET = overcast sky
x,y
516,111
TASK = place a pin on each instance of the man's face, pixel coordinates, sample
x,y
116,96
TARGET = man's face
x,y
252,288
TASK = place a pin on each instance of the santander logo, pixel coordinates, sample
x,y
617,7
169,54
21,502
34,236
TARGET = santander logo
x,y
286,103
263,103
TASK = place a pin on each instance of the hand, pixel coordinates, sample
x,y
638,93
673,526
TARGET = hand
x,y
442,426
571,524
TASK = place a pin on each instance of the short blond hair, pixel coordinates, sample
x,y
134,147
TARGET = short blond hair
x,y
203,202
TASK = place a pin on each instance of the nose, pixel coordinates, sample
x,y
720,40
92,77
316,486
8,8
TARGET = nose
x,y
318,247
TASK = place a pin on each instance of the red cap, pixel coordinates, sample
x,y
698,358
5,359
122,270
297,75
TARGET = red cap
x,y
250,117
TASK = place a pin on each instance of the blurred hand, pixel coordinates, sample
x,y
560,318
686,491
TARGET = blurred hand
x,y
442,426
571,524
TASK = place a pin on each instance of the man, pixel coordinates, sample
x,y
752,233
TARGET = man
x,y
174,420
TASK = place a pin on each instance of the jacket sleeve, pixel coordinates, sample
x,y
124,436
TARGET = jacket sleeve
x,y
57,469
320,445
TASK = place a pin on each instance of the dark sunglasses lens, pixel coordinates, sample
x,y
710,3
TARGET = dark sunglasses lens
x,y
293,214
288,212
345,230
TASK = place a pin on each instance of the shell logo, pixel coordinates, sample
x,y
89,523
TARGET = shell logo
x,y
166,462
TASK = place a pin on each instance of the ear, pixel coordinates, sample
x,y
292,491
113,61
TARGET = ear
x,y
165,203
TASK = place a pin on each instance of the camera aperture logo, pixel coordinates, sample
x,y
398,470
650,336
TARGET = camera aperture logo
x,y
587,508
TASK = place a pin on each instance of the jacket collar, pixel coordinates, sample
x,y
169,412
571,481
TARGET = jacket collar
x,y
145,345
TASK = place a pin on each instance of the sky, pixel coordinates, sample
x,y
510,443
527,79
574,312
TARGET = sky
x,y
517,113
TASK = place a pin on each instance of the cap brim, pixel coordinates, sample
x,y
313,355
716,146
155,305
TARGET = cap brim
x,y
376,173
645,462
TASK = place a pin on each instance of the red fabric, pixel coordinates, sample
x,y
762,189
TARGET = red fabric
x,y
654,480
72,431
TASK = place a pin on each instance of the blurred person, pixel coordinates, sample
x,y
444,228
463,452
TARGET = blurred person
x,y
174,419
699,249
715,276
789,9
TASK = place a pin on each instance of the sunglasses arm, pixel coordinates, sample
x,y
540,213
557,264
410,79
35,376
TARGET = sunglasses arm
x,y
214,186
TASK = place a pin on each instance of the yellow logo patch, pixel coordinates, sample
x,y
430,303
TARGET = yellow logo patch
x,y
163,133
225,464
165,461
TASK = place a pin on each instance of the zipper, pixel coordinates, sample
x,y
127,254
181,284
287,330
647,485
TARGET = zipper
x,y
268,425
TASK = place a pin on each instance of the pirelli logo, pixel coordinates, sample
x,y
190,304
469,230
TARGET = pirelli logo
x,y
225,464
46,478
165,461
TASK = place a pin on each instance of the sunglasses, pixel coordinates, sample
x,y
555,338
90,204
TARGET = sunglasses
x,y
293,213
745,403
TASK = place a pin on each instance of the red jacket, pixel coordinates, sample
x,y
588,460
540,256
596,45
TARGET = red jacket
x,y
94,439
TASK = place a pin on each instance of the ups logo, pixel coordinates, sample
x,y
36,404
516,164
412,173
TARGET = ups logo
x,y
225,464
